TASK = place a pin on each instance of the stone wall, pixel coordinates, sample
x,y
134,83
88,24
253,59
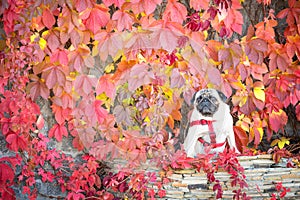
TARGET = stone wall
x,y
261,175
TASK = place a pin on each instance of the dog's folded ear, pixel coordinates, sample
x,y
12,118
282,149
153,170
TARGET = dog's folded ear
x,y
193,98
222,96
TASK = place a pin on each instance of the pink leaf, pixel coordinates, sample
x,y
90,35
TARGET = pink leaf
x,y
139,76
106,85
101,113
214,75
60,56
175,12
84,84
53,41
177,80
124,20
95,18
117,3
123,114
48,18
54,75
147,6
40,122
110,44
198,5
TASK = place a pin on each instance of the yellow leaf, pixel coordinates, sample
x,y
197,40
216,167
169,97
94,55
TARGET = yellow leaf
x,y
33,37
282,142
261,132
214,62
259,94
109,68
147,119
168,92
102,97
42,43
95,50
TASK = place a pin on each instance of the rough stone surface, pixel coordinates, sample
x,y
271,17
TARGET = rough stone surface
x,y
261,174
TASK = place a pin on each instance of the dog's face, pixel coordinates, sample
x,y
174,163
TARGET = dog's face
x,y
207,101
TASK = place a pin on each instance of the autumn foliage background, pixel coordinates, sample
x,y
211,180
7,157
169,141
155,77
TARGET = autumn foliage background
x,y
119,76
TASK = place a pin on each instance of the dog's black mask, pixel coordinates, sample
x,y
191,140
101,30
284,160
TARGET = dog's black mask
x,y
207,104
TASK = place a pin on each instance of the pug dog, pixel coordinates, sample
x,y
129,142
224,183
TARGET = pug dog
x,y
211,124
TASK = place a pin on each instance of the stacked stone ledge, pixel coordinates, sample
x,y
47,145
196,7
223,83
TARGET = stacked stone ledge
x,y
261,175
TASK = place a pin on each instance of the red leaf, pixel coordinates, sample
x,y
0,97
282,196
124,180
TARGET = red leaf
x,y
95,18
58,131
77,144
8,194
6,174
61,114
16,141
234,21
230,56
248,107
48,18
161,193
241,138
81,5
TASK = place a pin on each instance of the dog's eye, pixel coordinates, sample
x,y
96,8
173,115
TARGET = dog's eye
x,y
199,99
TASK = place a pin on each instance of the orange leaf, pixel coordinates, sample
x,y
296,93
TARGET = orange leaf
x,y
171,122
241,138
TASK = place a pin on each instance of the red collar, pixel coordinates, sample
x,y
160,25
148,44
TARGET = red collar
x,y
213,144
